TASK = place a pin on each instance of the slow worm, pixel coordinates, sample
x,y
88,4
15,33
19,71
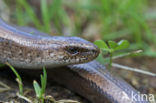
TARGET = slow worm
x,y
27,48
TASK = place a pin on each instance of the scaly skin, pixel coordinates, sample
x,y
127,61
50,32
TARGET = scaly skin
x,y
22,49
25,50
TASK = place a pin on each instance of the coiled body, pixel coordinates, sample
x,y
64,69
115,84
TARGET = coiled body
x,y
28,48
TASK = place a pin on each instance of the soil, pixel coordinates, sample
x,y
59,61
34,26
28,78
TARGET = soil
x,y
54,90
142,82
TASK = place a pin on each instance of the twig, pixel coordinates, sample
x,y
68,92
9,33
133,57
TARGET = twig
x,y
5,87
133,69
22,97
127,54
67,101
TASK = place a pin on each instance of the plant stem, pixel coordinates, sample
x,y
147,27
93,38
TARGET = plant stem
x,y
110,61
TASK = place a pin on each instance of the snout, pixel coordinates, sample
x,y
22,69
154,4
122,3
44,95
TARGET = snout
x,y
95,51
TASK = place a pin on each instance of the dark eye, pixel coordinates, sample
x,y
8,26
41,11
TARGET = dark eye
x,y
72,50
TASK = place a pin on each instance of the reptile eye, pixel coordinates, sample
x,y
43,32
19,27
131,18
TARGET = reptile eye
x,y
73,50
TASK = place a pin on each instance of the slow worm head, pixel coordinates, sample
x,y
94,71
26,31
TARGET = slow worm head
x,y
30,50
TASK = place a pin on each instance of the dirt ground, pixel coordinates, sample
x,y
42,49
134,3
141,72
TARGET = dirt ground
x,y
143,83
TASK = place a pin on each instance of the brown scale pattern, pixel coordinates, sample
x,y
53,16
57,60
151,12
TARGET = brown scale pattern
x,y
90,80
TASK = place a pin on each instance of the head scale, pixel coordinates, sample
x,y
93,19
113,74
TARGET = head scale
x,y
74,50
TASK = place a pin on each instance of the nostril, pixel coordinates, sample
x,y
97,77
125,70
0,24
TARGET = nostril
x,y
94,51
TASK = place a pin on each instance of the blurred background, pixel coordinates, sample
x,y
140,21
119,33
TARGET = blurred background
x,y
133,20
92,19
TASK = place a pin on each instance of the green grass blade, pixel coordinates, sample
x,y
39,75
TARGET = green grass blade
x,y
18,77
45,16
43,81
37,89
19,15
29,12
